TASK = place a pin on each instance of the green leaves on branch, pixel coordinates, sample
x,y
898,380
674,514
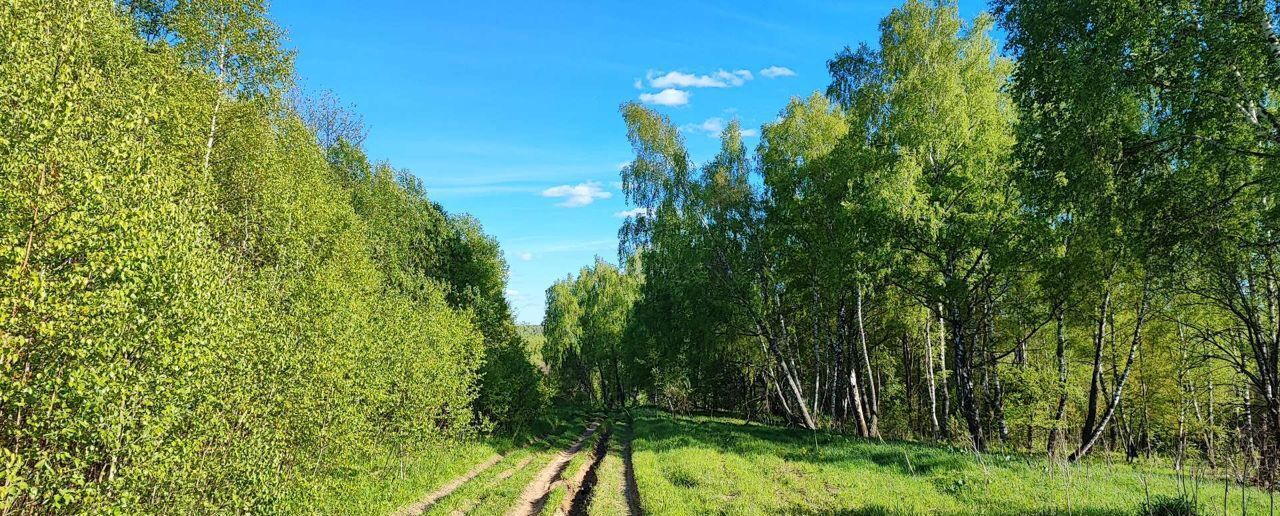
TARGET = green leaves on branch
x,y
203,310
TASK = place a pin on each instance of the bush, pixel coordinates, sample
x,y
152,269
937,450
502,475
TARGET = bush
x,y
1163,505
512,393
188,336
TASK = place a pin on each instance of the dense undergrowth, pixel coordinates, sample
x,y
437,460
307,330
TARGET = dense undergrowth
x,y
204,308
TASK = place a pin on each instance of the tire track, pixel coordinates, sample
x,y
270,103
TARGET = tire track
x,y
497,480
630,489
534,496
422,505
581,487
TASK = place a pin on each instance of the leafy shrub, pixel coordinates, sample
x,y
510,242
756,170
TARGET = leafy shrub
x,y
1163,505
182,334
513,393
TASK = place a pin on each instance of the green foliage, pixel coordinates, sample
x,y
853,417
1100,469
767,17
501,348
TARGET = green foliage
x,y
760,273
587,347
1164,505
204,310
211,301
1071,251
421,250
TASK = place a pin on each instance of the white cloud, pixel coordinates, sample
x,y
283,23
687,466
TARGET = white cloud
x,y
633,212
511,292
750,133
526,256
667,97
578,195
639,84
773,72
719,79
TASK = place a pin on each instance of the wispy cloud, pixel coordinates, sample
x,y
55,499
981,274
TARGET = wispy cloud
x,y
541,245
526,256
633,212
524,302
715,126
576,196
719,79
667,97
711,127
513,176
773,72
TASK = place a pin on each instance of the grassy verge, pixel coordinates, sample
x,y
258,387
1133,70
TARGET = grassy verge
x,y
383,483
701,465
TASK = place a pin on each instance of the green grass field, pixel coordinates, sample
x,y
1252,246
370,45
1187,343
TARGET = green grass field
x,y
719,465
715,465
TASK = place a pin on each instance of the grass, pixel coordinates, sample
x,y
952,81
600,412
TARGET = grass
x,y
716,465
720,465
383,483
499,487
560,489
609,496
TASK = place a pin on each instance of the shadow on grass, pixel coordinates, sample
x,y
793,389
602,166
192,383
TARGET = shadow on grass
x,y
558,428
669,432
879,510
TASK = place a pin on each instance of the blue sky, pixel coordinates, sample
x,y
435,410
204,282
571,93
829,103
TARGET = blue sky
x,y
509,110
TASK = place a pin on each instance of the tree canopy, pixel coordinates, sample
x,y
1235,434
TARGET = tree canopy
x,y
1063,245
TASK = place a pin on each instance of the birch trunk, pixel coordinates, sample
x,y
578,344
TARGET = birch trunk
x,y
1087,444
873,423
928,371
1060,411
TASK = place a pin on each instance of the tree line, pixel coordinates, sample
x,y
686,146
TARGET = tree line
x,y
1062,245
213,301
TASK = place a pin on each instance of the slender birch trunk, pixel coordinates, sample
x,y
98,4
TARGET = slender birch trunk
x,y
1088,443
873,424
1091,412
928,371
